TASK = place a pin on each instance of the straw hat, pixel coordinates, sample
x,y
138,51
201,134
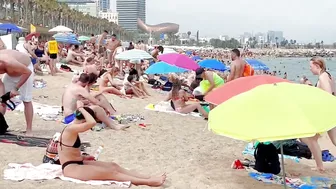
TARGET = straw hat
x,y
21,40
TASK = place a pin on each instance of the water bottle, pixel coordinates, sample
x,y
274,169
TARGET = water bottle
x,y
98,152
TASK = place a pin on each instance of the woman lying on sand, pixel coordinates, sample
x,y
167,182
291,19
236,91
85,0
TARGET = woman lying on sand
x,y
76,166
179,98
326,83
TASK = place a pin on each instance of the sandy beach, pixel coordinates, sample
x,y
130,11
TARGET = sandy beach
x,y
181,146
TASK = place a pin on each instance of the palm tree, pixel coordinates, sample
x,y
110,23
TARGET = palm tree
x,y
276,41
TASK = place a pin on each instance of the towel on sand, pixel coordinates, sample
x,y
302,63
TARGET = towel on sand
x,y
46,171
165,107
46,112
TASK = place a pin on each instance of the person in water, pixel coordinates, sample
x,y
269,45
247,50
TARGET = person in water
x,y
85,168
326,83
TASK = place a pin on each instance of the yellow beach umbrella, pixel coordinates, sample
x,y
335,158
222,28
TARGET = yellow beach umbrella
x,y
275,112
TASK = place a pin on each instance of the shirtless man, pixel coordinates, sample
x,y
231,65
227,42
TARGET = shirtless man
x,y
18,79
77,91
99,44
237,66
73,54
111,48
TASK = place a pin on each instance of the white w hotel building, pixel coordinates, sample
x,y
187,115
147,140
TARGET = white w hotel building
x,y
129,11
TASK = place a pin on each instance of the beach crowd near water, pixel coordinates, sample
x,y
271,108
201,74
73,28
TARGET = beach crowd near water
x,y
92,86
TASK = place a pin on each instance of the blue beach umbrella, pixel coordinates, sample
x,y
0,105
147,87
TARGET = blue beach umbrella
x,y
10,27
213,64
196,58
164,68
257,65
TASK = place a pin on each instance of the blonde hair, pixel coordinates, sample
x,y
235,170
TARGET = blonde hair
x,y
319,62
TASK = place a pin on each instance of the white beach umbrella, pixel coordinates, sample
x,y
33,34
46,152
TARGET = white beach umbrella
x,y
133,55
60,29
168,50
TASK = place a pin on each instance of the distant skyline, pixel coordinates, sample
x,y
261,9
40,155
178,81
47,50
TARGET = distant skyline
x,y
302,20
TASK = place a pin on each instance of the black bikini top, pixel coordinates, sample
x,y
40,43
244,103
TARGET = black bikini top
x,y
77,143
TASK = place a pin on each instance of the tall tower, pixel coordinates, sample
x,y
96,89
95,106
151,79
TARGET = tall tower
x,y
104,5
129,12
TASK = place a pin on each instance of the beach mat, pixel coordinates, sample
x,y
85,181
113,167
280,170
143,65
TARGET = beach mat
x,y
25,141
318,182
166,108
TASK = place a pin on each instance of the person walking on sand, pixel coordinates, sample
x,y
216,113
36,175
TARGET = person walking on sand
x,y
18,79
237,66
325,82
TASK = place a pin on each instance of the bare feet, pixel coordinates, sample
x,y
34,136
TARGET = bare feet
x,y
157,181
120,127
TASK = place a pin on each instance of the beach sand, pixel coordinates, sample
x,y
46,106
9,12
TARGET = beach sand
x,y
181,146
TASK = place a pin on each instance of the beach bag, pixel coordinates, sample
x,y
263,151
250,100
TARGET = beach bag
x,y
267,159
3,124
51,155
298,149
248,70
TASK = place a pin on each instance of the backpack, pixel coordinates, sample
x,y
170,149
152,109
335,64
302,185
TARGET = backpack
x,y
267,159
51,155
3,124
248,70
298,149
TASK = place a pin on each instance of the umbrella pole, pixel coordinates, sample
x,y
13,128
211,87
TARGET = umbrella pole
x,y
283,166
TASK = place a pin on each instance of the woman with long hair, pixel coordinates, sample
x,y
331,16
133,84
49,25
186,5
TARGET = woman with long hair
x,y
107,78
179,98
84,168
326,83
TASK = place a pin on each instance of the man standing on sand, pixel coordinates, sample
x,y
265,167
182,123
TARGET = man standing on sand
x,y
18,79
111,48
77,92
100,40
237,66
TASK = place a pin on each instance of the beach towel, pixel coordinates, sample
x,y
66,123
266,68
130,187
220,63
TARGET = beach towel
x,y
24,141
274,179
46,112
166,108
318,182
39,83
46,171
249,150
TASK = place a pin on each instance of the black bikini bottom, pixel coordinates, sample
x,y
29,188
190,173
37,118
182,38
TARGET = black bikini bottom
x,y
72,162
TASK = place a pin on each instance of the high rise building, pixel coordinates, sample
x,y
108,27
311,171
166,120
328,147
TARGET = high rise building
x,y
129,11
104,5
84,6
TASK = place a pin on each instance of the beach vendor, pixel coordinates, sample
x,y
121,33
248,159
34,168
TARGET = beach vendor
x,y
209,80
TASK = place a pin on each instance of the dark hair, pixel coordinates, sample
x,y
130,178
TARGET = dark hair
x,y
76,46
105,31
92,35
236,51
80,116
177,84
92,78
130,78
160,49
114,35
84,78
133,72
194,84
199,71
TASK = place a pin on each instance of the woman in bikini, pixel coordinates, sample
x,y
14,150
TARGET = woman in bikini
x,y
107,78
131,88
84,168
326,83
179,98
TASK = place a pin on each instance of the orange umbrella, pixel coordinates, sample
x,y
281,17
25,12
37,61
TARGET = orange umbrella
x,y
29,36
240,85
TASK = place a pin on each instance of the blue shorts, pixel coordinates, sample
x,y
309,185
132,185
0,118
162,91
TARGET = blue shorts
x,y
68,119
33,60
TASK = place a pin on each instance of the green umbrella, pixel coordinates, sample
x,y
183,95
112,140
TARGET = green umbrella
x,y
83,38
